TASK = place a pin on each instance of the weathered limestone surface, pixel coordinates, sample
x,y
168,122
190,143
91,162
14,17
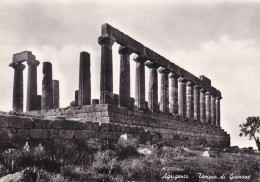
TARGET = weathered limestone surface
x,y
106,74
182,97
124,80
140,82
84,93
202,105
173,79
213,111
190,100
218,111
153,87
172,130
197,103
32,84
208,107
47,87
56,94
164,94
18,86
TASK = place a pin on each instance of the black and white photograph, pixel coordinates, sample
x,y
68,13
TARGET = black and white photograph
x,y
129,91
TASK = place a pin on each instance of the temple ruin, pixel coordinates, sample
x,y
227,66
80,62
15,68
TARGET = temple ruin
x,y
187,112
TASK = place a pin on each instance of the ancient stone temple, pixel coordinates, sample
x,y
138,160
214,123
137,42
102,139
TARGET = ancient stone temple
x,y
187,111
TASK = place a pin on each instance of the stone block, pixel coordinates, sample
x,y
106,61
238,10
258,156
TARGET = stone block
x,y
104,126
118,128
95,101
21,133
38,133
57,124
105,119
3,121
54,134
15,122
66,134
89,108
71,125
113,127
27,122
39,123
95,126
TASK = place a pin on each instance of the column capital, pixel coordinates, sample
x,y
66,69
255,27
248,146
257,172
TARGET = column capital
x,y
18,66
33,62
125,50
151,65
208,93
190,83
182,80
197,87
140,58
218,97
202,90
163,70
173,75
106,40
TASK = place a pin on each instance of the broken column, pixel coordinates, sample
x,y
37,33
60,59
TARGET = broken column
x,y
84,94
56,94
140,82
18,86
190,100
153,87
208,107
218,111
32,100
173,84
202,105
106,74
124,79
197,103
47,87
182,97
164,94
76,97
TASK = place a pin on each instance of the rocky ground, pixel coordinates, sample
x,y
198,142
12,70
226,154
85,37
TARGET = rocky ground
x,y
128,161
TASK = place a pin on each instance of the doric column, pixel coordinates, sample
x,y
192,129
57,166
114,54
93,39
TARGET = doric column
x,y
213,111
124,80
197,103
182,97
84,94
56,94
190,99
18,87
208,107
164,94
47,87
202,105
153,87
173,84
31,103
218,111
106,74
140,82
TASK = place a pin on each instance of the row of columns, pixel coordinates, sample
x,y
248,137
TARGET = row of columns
x,y
50,88
178,95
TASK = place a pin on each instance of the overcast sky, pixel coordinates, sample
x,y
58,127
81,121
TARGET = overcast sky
x,y
218,39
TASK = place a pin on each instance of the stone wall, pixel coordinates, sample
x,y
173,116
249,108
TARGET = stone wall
x,y
171,129
19,128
